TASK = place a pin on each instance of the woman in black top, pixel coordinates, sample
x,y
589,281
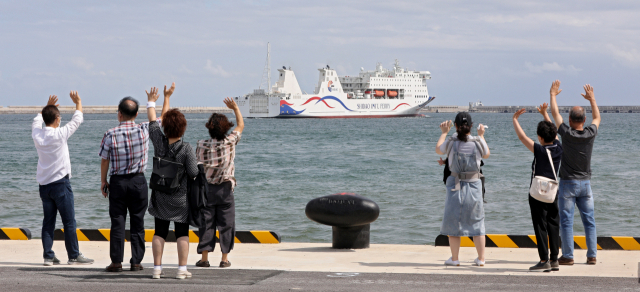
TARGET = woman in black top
x,y
544,215
170,207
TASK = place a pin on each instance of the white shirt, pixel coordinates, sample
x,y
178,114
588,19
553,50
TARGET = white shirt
x,y
53,152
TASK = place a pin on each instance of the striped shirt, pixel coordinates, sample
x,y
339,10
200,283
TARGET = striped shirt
x,y
217,158
126,147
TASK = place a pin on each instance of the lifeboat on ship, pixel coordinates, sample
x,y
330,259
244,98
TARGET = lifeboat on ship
x,y
392,93
378,93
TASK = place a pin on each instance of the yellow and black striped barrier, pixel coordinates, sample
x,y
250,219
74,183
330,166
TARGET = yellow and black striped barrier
x,y
14,233
529,241
253,236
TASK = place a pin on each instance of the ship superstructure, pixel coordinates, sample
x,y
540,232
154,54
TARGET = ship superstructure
x,y
372,94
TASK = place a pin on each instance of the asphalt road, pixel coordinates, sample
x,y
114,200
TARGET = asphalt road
x,y
60,278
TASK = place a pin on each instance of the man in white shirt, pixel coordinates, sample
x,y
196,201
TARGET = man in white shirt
x,y
54,171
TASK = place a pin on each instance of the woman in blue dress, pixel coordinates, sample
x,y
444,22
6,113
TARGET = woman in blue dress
x,y
463,207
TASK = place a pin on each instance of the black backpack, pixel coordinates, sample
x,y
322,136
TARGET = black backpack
x,y
167,173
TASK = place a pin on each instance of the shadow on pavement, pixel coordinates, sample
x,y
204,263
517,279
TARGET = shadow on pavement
x,y
318,249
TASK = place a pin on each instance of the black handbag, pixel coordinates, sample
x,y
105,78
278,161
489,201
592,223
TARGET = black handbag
x,y
167,173
197,197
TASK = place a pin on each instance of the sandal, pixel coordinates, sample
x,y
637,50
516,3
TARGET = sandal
x,y
225,264
202,264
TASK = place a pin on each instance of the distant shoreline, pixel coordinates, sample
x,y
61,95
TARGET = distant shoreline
x,y
97,109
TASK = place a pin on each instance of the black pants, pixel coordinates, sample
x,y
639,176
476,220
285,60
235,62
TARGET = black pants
x,y
127,193
220,213
162,228
546,224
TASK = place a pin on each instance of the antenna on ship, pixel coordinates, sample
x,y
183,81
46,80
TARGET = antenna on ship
x,y
267,71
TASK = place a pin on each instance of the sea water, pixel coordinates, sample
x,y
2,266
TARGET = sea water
x,y
281,164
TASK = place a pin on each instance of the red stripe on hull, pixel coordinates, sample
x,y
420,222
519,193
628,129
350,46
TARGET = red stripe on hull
x,y
350,117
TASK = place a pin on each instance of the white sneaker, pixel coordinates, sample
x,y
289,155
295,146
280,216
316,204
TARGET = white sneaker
x,y
451,262
157,274
478,262
183,275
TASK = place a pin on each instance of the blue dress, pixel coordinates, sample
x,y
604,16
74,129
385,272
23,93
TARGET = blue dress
x,y
463,208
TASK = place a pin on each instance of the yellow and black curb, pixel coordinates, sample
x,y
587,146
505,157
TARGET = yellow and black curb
x,y
253,236
14,233
529,241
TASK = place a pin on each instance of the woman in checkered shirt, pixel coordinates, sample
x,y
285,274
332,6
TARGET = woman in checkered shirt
x,y
217,155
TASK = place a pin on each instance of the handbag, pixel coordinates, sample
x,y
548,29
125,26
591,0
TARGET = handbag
x,y
167,173
197,197
544,189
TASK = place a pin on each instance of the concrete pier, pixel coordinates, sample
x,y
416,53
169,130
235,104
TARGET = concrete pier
x,y
111,109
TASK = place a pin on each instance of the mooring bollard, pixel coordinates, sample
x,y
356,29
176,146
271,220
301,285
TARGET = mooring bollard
x,y
349,214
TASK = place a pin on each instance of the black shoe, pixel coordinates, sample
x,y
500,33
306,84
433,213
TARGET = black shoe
x,y
541,267
555,266
225,264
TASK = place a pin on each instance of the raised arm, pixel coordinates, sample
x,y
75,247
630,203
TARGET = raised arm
x,y
595,112
152,97
37,121
445,127
167,95
521,135
481,131
239,121
76,119
553,92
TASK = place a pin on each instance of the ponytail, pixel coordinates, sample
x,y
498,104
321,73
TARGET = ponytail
x,y
463,130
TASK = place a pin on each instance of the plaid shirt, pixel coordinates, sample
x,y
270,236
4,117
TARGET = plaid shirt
x,y
217,158
126,146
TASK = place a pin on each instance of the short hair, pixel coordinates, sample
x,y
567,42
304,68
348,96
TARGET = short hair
x,y
128,111
547,130
218,126
174,123
49,114
577,115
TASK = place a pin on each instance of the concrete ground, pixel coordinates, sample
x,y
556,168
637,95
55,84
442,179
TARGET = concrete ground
x,y
317,267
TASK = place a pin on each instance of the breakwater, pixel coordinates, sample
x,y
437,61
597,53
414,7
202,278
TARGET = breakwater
x,y
112,109
530,109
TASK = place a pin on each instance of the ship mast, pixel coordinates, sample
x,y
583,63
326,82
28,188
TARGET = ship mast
x,y
267,71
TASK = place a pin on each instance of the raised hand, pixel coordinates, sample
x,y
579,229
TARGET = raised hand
x,y
445,126
53,99
481,130
555,88
230,103
168,93
542,109
517,114
75,97
588,93
153,95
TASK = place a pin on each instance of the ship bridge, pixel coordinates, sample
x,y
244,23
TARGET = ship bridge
x,y
382,83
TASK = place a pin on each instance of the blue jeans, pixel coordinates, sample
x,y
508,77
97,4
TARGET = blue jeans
x,y
572,193
58,196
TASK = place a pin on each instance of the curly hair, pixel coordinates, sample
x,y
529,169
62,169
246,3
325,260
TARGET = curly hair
x,y
218,126
547,130
174,123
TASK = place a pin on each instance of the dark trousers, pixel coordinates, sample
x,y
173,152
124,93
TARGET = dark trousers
x,y
127,192
220,213
546,224
58,197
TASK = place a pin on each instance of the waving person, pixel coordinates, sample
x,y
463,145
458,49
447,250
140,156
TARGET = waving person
x,y
170,205
463,208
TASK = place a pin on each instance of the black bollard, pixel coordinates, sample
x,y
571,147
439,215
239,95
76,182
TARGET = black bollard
x,y
349,214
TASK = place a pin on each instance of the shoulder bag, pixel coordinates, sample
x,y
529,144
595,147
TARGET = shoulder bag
x,y
544,189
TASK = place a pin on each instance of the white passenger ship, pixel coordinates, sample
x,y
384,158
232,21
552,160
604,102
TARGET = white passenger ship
x,y
373,94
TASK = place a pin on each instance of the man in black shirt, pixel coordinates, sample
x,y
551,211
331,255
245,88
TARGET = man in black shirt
x,y
575,173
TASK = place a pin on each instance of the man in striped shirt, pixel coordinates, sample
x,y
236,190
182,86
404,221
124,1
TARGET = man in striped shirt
x,y
125,149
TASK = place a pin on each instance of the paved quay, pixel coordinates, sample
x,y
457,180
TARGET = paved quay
x,y
318,267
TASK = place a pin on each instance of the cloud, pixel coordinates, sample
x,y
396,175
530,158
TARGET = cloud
x,y
186,70
216,70
629,58
552,67
82,63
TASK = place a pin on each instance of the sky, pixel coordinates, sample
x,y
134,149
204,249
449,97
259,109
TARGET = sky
x,y
501,52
